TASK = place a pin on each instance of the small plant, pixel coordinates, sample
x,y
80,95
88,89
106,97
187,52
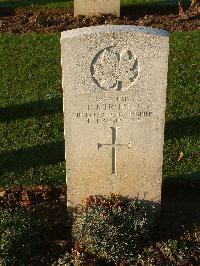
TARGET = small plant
x,y
112,227
20,234
72,259
171,252
65,260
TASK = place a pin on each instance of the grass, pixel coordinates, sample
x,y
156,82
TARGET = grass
x,y
69,3
183,127
31,119
31,129
36,3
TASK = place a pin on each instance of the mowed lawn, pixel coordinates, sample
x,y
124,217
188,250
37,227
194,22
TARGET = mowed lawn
x,y
31,119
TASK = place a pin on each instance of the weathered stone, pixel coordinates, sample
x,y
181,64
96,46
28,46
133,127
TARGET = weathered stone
x,y
114,85
94,7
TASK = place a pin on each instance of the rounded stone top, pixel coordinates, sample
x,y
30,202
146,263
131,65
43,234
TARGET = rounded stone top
x,y
111,29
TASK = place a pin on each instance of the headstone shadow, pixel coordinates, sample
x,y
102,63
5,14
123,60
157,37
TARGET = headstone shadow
x,y
30,109
14,3
22,159
184,127
180,207
137,11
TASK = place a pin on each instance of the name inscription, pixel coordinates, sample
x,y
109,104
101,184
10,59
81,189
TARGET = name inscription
x,y
113,110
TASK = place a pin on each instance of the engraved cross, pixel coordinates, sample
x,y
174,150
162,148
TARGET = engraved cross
x,y
114,145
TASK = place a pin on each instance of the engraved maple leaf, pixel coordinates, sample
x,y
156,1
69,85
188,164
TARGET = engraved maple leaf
x,y
128,69
111,70
105,69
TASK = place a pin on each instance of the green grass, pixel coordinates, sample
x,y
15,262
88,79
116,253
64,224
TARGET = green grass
x,y
183,101
31,128
31,119
69,3
36,3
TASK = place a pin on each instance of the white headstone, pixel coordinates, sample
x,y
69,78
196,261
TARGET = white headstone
x,y
114,85
94,7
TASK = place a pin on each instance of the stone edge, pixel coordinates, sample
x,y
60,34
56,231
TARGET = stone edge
x,y
112,29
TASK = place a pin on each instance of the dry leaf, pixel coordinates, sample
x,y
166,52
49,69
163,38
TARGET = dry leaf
x,y
181,156
25,199
2,193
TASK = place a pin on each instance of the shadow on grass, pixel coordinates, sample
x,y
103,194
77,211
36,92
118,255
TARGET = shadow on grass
x,y
159,8
138,11
181,202
7,11
32,109
182,128
28,3
22,159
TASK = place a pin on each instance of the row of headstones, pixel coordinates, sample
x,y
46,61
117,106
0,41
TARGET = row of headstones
x,y
94,7
114,85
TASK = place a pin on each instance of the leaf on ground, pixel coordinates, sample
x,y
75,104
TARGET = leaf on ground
x,y
180,156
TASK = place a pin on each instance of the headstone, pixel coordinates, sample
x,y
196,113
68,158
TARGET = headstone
x,y
114,85
94,7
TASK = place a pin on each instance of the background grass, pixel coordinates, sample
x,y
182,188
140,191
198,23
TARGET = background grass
x,y
183,102
31,128
31,119
69,3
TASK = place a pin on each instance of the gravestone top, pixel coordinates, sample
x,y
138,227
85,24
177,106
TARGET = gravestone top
x,y
113,28
114,86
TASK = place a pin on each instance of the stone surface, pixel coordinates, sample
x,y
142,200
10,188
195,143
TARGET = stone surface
x,y
93,7
114,85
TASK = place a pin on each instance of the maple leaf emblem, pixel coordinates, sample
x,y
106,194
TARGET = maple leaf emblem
x,y
112,70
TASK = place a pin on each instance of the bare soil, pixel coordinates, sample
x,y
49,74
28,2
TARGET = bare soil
x,y
56,20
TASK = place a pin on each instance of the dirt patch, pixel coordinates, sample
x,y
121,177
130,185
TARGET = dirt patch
x,y
57,20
